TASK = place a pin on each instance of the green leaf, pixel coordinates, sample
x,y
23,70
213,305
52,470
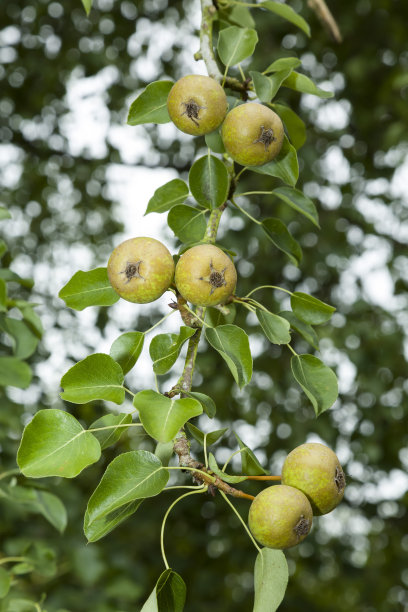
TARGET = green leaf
x,y
283,63
5,582
151,105
161,416
233,345
23,339
275,328
284,166
206,402
129,477
100,527
30,316
3,248
240,15
168,195
95,377
235,44
302,83
279,234
3,295
14,373
209,181
270,580
293,124
126,349
297,200
164,451
211,438
317,380
165,348
227,477
4,213
39,501
216,317
88,289
169,594
287,12
87,6
54,443
12,277
309,309
263,86
187,223
214,141
107,437
250,464
306,331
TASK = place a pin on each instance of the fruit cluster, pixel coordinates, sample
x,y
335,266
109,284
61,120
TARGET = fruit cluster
x,y
313,484
251,132
141,269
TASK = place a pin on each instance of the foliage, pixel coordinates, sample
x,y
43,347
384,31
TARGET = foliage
x,y
367,422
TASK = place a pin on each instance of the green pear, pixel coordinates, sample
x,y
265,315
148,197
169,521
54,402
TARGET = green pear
x,y
280,517
315,470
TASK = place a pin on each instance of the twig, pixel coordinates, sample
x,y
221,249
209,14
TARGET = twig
x,y
322,11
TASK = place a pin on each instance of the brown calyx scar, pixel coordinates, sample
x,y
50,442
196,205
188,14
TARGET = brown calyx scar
x,y
216,278
132,270
339,479
302,526
192,110
266,137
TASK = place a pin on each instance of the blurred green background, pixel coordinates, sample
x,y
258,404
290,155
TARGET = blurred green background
x,y
67,160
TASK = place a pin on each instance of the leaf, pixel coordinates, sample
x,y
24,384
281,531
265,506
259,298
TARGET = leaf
x,y
5,582
263,86
14,373
211,438
217,317
209,181
151,105
309,309
302,83
12,277
275,328
233,345
278,233
165,348
24,341
284,166
317,380
235,44
129,477
270,580
164,451
88,289
4,213
293,124
30,316
100,527
283,63
287,12
3,295
169,594
107,437
168,195
241,15
95,377
187,223
39,501
250,464
214,141
226,477
306,331
161,416
3,248
297,200
206,402
54,443
126,349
